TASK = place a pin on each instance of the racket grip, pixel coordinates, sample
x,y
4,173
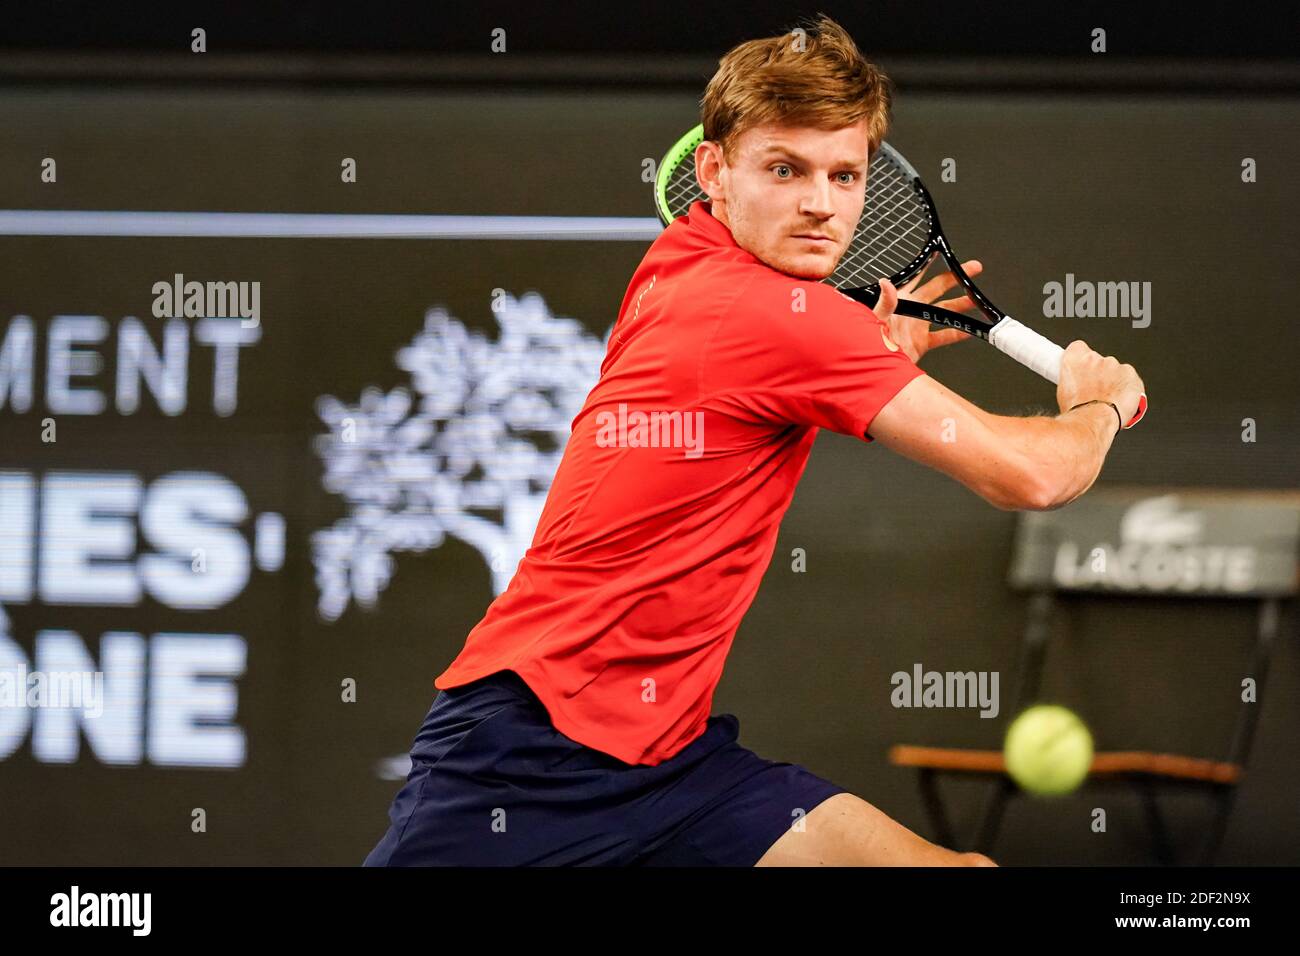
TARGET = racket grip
x,y
1040,354
1027,347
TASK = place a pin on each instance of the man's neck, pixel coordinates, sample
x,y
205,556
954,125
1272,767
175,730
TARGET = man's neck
x,y
717,212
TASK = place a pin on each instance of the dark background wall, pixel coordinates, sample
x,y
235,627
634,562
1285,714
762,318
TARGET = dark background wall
x,y
1112,181
1159,28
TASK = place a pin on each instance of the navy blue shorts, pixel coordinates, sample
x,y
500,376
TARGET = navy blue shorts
x,y
493,783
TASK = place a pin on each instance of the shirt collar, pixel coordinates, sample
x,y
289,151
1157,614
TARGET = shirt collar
x,y
699,219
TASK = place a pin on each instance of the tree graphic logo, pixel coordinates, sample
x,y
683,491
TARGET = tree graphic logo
x,y
469,450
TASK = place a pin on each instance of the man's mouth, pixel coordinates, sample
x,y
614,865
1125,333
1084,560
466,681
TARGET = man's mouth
x,y
815,237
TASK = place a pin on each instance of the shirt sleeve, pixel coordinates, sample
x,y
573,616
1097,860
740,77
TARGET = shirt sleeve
x,y
830,365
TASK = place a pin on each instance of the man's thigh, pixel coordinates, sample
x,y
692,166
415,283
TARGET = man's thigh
x,y
845,830
740,804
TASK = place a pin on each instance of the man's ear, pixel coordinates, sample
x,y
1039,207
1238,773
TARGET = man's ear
x,y
708,167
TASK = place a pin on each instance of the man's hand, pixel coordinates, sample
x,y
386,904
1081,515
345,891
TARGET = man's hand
x,y
913,336
1087,375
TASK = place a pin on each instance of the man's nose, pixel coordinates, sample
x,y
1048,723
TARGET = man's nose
x,y
817,201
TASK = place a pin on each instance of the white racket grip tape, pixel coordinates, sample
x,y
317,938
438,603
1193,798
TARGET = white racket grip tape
x,y
1028,348
1040,354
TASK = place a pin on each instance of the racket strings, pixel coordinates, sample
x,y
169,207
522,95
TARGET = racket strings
x,y
893,232
681,189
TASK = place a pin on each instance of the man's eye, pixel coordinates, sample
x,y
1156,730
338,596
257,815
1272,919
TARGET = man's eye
x,y
852,178
777,170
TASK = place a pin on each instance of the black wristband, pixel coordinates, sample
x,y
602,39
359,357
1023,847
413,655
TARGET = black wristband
x,y
1101,401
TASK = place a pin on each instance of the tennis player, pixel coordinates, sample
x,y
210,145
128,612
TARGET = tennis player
x,y
574,727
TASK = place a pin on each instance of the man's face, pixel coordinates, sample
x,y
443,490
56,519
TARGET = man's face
x,y
784,186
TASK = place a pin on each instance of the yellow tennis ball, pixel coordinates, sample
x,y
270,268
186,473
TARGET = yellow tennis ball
x,y
1048,750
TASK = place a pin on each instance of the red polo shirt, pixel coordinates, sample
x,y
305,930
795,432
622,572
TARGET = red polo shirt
x,y
665,508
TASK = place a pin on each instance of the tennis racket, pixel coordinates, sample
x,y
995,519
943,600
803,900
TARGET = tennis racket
x,y
897,236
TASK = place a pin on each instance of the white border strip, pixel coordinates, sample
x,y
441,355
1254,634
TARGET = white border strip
x,y
276,225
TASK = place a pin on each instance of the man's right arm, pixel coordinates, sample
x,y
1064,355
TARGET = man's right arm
x,y
1034,464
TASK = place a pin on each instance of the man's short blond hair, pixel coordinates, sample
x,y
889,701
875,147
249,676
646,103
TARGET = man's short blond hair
x,y
812,76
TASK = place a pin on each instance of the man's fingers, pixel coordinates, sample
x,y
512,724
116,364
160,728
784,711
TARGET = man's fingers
x,y
947,337
910,285
946,280
957,305
887,302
